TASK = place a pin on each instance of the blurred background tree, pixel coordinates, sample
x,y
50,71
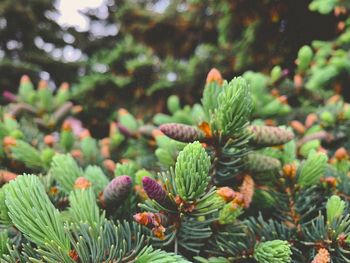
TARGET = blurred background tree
x,y
164,47
31,42
140,48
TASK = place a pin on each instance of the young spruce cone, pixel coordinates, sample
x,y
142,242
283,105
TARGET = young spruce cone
x,y
256,162
153,189
182,132
116,191
269,136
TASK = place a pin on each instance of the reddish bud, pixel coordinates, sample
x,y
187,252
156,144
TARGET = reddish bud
x,y
109,165
82,183
341,154
227,193
49,140
214,75
298,126
9,141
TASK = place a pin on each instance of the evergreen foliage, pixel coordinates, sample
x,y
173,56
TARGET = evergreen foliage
x,y
257,170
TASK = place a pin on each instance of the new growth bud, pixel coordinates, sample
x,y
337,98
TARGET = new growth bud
x,y
214,75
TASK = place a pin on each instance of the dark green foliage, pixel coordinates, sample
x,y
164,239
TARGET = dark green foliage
x,y
19,26
257,170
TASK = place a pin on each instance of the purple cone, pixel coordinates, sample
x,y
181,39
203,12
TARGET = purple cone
x,y
8,95
153,189
116,191
124,130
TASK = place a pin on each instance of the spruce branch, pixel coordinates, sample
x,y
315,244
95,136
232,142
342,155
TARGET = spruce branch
x,y
3,242
4,217
119,242
335,208
97,178
83,208
210,97
26,153
232,114
312,169
35,216
65,171
149,254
